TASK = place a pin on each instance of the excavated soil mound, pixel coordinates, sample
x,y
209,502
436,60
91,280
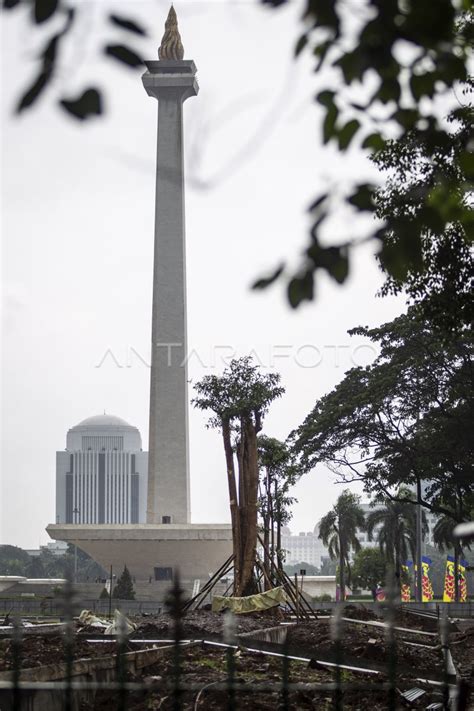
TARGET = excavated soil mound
x,y
202,624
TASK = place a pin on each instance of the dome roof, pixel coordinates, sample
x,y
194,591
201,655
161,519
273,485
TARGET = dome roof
x,y
97,421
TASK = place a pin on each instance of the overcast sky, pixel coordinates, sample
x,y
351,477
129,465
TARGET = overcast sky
x,y
77,237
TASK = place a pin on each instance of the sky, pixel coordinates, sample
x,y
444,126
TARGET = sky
x,y
77,217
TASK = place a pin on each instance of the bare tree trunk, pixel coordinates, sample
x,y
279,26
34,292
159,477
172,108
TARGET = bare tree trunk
x,y
278,524
342,579
233,501
266,533
248,519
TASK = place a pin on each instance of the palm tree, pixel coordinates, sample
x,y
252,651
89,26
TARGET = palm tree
x,y
338,531
394,526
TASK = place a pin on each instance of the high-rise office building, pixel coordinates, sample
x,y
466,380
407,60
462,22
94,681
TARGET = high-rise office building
x,y
101,476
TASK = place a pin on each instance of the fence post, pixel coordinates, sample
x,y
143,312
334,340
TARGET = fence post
x,y
121,671
336,634
229,638
444,634
392,592
68,642
174,602
16,659
285,678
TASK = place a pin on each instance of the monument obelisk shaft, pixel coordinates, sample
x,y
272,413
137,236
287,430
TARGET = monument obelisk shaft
x,y
171,80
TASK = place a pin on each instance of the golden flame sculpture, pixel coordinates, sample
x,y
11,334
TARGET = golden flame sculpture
x,y
171,45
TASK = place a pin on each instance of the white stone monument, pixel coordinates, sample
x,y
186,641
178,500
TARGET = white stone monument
x,y
171,80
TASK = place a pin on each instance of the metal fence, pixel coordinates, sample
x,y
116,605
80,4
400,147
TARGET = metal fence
x,y
68,685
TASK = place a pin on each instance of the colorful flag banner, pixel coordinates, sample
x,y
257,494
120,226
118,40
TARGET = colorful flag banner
x,y
426,587
462,580
405,592
448,592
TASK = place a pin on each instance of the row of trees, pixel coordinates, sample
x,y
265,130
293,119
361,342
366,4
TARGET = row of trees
x,y
368,429
392,524
74,563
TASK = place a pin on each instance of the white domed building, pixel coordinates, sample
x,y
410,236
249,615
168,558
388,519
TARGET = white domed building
x,y
101,476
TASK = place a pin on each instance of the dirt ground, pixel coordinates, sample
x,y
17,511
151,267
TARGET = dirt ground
x,y
36,651
203,667
204,623
313,639
461,645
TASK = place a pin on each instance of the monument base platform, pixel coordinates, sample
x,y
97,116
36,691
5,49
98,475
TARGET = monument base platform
x,y
152,551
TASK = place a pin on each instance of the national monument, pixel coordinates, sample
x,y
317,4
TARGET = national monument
x,y
167,541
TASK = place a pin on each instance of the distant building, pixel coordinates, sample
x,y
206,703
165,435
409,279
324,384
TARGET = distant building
x,y
101,476
57,548
304,547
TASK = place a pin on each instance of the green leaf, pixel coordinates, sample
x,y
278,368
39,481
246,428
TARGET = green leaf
x,y
124,54
30,96
301,289
431,217
422,85
329,124
127,24
374,141
338,265
466,161
406,118
264,282
301,44
362,199
44,9
347,133
321,51
89,103
334,260
326,98
389,90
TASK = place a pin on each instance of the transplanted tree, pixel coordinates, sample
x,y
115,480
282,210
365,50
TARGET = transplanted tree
x,y
338,530
278,473
393,526
124,589
239,400
369,570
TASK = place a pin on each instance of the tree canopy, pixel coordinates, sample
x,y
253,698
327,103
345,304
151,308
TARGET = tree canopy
x,y
124,589
404,59
369,569
403,419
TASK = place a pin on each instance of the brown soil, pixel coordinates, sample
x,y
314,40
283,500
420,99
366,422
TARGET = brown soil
x,y
313,639
203,624
37,651
205,666
462,650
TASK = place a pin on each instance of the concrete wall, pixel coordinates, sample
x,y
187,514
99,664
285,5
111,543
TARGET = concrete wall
x,y
317,585
196,551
